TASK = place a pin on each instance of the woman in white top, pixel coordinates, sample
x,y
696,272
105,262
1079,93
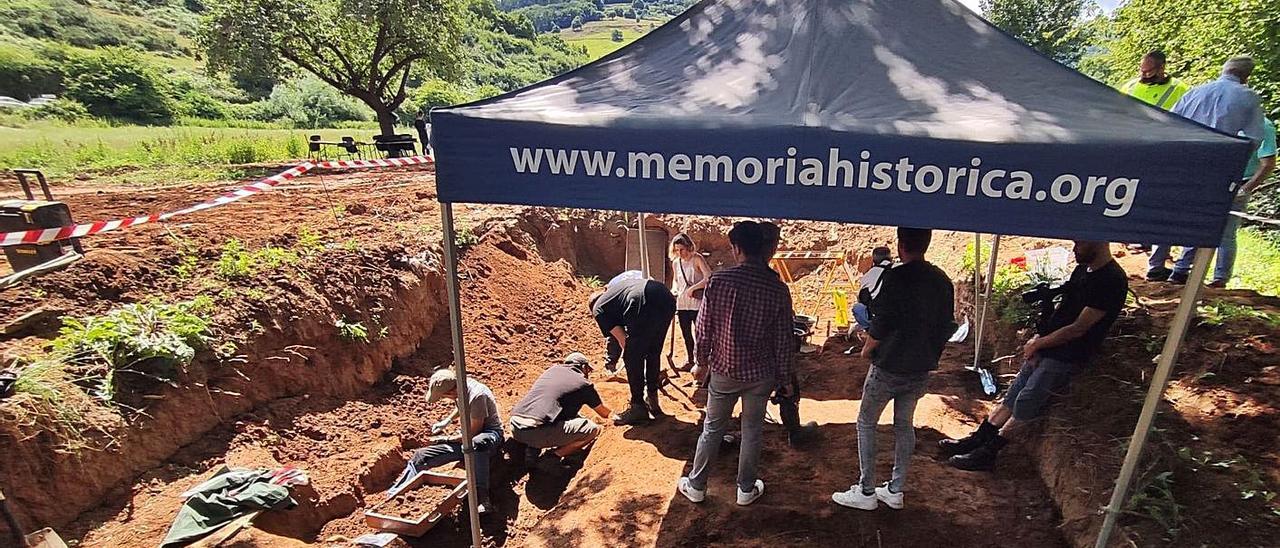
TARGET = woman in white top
x,y
691,273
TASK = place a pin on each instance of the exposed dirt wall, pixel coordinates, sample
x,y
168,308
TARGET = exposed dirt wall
x,y
297,352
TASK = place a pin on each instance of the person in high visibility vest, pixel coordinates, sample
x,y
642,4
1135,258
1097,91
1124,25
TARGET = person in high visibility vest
x,y
1153,85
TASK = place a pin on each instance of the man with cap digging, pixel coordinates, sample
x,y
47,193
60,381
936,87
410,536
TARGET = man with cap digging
x,y
485,431
547,417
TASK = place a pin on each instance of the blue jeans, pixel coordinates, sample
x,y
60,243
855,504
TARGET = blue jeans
x,y
862,315
1037,382
487,444
905,390
1224,265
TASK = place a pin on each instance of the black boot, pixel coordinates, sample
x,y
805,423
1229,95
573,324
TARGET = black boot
x,y
977,439
651,402
634,415
803,434
982,458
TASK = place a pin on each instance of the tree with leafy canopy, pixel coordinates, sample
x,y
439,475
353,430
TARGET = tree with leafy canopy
x,y
364,48
1056,28
1197,36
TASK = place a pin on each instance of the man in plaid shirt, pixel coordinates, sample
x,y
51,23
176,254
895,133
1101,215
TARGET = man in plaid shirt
x,y
744,335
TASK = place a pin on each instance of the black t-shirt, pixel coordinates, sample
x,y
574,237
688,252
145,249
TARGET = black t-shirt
x,y
639,306
558,395
913,317
1104,289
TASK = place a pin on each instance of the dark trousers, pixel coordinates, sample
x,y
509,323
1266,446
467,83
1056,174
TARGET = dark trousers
x,y
643,360
687,319
789,407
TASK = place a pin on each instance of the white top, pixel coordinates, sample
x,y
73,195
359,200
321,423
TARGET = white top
x,y
686,275
871,280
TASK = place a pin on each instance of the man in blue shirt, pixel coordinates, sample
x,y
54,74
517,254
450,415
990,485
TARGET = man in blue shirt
x,y
1227,105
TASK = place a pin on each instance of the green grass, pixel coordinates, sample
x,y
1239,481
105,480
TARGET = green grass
x,y
1257,262
147,155
597,36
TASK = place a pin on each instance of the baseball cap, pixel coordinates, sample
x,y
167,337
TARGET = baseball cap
x,y
576,358
442,381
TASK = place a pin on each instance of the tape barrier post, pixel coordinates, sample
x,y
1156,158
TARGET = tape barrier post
x,y
45,235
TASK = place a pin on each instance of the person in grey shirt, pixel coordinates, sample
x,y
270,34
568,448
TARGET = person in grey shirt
x,y
1226,105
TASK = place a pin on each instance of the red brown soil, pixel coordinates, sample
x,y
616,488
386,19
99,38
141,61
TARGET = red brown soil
x,y
350,413
415,505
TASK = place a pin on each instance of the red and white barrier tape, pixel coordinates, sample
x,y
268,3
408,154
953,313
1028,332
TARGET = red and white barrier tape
x,y
40,236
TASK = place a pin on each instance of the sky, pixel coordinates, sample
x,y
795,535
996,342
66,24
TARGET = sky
x,y
1107,5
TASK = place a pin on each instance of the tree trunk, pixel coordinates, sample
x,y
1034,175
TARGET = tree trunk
x,y
386,120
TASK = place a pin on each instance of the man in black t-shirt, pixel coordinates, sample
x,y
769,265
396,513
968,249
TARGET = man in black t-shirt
x,y
547,417
1091,301
636,313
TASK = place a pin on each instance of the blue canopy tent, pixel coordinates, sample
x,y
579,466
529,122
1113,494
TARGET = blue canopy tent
x,y
908,113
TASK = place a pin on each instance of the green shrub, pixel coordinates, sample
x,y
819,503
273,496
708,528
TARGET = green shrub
x,y
120,84
24,74
307,103
243,151
197,104
121,340
61,109
432,93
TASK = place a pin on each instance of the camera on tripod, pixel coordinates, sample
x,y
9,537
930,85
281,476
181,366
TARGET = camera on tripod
x,y
1047,297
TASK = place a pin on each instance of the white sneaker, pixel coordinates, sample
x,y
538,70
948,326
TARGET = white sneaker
x,y
745,498
854,498
889,498
694,495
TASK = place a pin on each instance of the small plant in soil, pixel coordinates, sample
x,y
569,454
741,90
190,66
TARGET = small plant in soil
x,y
309,242
238,262
1219,313
1155,501
465,238
593,282
352,331
151,339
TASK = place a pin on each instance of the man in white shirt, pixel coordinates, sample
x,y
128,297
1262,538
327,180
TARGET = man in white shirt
x,y
870,286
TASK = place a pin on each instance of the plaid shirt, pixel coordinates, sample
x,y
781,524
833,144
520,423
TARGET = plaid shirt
x,y
745,325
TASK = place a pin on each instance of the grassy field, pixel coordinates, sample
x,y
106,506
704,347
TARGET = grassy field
x,y
597,36
1257,262
152,155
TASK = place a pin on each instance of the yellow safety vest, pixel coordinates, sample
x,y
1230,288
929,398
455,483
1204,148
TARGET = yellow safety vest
x,y
1160,95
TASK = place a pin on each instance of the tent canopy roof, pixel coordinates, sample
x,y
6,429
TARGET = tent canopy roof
x,y
927,68
892,112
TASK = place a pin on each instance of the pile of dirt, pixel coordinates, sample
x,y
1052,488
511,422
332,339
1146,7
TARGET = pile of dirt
x,y
417,504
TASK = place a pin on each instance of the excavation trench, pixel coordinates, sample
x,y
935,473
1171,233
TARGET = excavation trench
x,y
349,414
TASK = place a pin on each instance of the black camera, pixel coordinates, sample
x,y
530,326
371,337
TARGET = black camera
x,y
1047,296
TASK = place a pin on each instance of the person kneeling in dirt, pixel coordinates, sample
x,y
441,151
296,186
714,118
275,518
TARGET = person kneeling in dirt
x,y
1091,300
881,261
485,431
547,417
636,313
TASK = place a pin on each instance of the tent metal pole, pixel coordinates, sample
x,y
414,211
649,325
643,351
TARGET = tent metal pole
x,y
1159,380
986,299
644,246
977,273
460,368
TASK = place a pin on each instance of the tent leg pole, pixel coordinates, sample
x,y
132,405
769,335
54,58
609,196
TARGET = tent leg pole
x,y
986,299
977,280
644,246
1159,380
460,368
